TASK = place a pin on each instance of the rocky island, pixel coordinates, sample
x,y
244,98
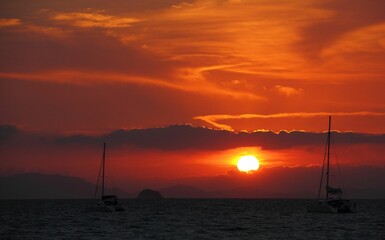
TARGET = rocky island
x,y
149,194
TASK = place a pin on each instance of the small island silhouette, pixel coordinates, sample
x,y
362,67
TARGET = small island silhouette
x,y
149,194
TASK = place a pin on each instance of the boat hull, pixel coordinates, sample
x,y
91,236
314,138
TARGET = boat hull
x,y
333,206
120,208
98,208
321,209
107,204
101,208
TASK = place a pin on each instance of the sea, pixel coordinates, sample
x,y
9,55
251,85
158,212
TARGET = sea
x,y
188,219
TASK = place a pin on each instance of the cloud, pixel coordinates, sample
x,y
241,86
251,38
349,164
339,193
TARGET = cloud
x,y
205,49
9,22
92,77
175,151
7,131
96,19
28,49
86,78
341,17
363,45
106,56
182,5
213,119
187,137
288,91
14,25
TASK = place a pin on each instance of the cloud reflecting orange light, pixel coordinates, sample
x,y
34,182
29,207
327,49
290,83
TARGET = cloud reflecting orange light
x,y
88,20
215,119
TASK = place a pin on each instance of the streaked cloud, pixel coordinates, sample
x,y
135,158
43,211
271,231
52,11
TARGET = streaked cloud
x,y
239,56
215,119
182,5
288,91
91,78
344,17
94,19
187,137
17,25
9,22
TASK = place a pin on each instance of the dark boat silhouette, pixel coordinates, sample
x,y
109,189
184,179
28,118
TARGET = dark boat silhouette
x,y
333,201
106,203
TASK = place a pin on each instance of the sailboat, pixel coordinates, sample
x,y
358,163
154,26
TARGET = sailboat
x,y
333,202
106,203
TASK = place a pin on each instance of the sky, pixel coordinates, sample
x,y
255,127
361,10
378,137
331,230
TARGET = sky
x,y
178,74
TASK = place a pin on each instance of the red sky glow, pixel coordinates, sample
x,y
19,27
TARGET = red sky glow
x,y
180,90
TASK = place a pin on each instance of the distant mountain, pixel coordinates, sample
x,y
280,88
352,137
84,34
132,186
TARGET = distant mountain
x,y
184,191
41,186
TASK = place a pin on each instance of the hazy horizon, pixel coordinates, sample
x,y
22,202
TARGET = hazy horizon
x,y
290,162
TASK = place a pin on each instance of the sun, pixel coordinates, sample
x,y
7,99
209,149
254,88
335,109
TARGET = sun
x,y
248,164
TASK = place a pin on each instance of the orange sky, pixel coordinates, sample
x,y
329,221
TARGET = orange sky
x,y
92,67
124,64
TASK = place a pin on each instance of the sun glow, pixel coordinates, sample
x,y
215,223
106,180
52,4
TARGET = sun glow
x,y
248,163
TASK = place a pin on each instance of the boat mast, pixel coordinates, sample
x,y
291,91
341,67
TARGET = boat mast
x,y
328,160
104,159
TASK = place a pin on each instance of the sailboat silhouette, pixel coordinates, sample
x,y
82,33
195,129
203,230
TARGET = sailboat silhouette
x,y
106,203
333,202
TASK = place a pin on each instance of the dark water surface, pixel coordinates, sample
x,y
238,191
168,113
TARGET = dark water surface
x,y
188,219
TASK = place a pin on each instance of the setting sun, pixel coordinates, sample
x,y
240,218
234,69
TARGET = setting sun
x,y
248,163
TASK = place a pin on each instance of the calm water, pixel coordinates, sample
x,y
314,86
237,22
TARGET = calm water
x,y
188,219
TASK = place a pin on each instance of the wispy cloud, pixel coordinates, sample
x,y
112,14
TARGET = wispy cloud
x,y
87,78
288,91
341,19
17,25
214,119
182,5
94,19
274,56
8,22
